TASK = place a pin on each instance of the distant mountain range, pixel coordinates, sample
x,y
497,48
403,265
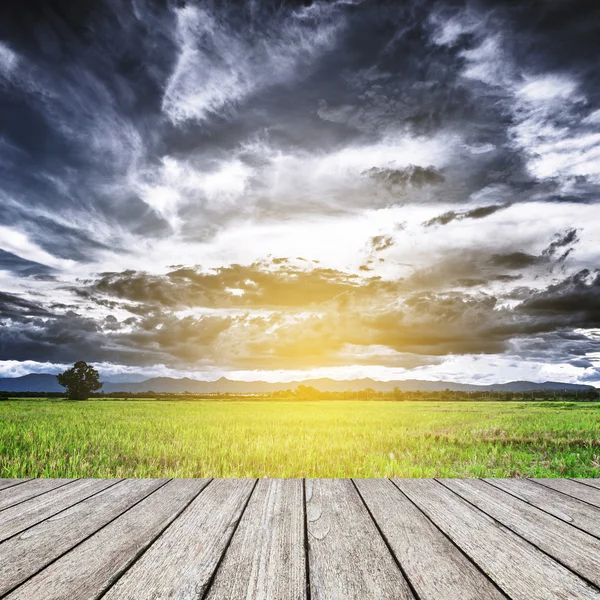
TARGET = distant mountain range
x,y
43,382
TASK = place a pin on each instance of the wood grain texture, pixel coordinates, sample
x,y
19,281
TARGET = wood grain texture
x,y
153,539
516,566
591,482
23,555
573,488
567,509
6,483
347,556
266,557
29,489
433,564
183,559
17,518
577,550
92,566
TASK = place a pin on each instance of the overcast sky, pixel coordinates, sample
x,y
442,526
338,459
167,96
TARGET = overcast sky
x,y
277,190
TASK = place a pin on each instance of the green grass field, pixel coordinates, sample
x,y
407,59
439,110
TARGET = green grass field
x,y
108,438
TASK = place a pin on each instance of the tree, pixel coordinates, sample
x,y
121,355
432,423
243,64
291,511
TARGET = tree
x,y
307,391
80,381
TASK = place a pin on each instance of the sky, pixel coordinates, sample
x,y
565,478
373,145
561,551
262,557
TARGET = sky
x,y
278,190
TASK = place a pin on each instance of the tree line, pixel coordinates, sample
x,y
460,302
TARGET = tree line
x,y
590,395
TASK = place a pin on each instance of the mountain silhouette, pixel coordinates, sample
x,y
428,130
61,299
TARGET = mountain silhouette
x,y
45,382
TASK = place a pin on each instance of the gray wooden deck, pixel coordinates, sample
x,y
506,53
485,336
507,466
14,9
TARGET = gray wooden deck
x,y
299,539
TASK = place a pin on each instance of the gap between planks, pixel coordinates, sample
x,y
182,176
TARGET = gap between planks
x,y
376,519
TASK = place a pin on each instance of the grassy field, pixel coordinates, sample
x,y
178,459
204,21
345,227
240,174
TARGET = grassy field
x,y
108,438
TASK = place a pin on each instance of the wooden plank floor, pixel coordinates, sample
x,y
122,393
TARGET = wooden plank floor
x,y
294,539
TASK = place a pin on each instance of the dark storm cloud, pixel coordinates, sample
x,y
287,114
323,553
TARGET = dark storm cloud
x,y
513,260
574,302
30,333
561,347
140,83
260,285
23,267
279,284
350,315
379,243
481,212
475,213
557,251
411,176
561,246
80,107
17,308
96,96
459,323
442,219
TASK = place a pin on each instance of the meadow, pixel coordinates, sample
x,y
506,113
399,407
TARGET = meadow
x,y
196,438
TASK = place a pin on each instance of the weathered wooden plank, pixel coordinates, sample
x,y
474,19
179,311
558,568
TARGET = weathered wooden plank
x,y
6,483
266,556
181,562
34,487
592,482
568,509
433,564
574,489
347,556
24,555
93,565
577,550
520,569
17,518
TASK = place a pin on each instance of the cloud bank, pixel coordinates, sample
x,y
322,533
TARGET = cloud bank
x,y
343,187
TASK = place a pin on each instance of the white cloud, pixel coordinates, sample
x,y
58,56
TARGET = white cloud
x,y
547,88
488,64
392,152
496,369
108,371
485,62
480,148
15,241
257,178
477,369
18,368
178,183
568,156
9,60
341,241
200,85
593,118
218,67
164,201
547,127
447,30
339,180
560,145
227,183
